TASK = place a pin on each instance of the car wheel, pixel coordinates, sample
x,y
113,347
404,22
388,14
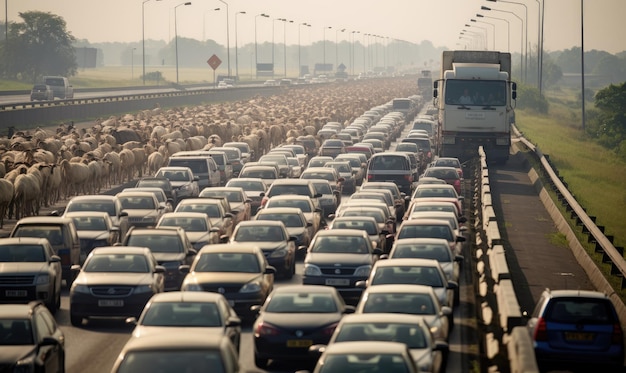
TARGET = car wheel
x,y
292,269
260,362
75,320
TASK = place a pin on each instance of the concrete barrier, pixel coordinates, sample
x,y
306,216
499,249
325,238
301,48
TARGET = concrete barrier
x,y
521,352
509,312
498,264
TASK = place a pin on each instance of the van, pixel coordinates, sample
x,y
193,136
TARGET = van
x,y
60,85
62,235
391,166
201,164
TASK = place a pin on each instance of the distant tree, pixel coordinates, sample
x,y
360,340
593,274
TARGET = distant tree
x,y
40,45
609,124
551,74
612,67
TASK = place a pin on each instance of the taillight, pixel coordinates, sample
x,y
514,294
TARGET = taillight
x,y
266,329
541,330
370,177
617,337
409,178
329,330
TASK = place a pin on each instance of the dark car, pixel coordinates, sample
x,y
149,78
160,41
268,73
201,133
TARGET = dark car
x,y
177,353
272,237
238,271
238,201
30,270
294,318
188,312
340,258
116,281
255,189
160,182
391,166
30,339
41,92
576,329
171,248
295,222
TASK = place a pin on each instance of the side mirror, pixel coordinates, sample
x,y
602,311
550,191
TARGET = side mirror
x,y
159,269
184,268
361,284
131,321
75,267
269,270
192,252
55,259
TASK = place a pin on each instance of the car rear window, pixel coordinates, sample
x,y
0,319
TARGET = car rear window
x,y
576,310
389,162
278,190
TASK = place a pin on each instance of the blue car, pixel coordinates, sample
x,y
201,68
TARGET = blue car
x,y
576,330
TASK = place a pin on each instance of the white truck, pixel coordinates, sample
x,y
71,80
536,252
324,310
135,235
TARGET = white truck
x,y
474,97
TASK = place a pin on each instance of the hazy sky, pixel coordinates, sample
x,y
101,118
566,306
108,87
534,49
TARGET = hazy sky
x,y
439,21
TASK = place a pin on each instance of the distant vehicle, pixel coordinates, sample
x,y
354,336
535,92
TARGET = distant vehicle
x,y
270,82
60,85
41,92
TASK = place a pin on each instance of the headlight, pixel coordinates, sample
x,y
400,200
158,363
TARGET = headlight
x,y
81,289
141,289
26,365
312,270
43,279
363,271
251,287
279,253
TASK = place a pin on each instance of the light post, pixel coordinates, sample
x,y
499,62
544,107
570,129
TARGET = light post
x,y
204,22
484,33
132,64
337,47
256,48
236,51
176,35
526,33
493,31
227,37
521,36
352,56
285,45
508,24
299,47
324,45
143,39
273,44
477,36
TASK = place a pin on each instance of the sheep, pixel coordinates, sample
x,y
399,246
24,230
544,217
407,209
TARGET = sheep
x,y
6,196
155,161
26,190
75,176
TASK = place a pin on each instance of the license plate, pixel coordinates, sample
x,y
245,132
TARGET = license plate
x,y
578,337
15,293
337,282
299,343
111,303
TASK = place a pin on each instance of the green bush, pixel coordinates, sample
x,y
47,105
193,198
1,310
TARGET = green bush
x,y
529,98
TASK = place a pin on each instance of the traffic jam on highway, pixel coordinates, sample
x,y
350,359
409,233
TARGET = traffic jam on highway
x,y
364,216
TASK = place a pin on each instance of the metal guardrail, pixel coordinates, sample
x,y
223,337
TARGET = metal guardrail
x,y
603,244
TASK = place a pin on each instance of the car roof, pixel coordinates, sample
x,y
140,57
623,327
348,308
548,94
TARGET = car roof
x,y
92,197
408,262
260,223
398,318
204,200
164,231
341,232
174,341
23,240
135,194
77,214
304,288
292,181
399,288
16,310
576,293
183,214
279,210
240,247
186,296
120,250
44,220
426,222
421,241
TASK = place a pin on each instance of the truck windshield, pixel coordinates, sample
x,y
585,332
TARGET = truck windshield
x,y
475,92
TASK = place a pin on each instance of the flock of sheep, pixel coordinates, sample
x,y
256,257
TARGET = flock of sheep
x,y
40,167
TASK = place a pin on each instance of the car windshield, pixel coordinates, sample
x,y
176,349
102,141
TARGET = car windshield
x,y
290,220
318,175
248,233
577,310
53,233
188,224
198,314
247,185
261,174
22,253
172,361
174,175
211,210
302,190
301,303
340,244
440,253
116,263
162,184
377,215
442,174
426,231
89,223
428,276
137,203
434,192
229,195
102,206
411,303
157,243
368,226
227,262
303,205
409,334
15,332
364,362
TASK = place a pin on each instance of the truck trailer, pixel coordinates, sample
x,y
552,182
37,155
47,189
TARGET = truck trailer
x,y
474,97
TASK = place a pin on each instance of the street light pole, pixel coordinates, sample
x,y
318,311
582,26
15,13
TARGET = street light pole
x,y
236,50
285,45
508,24
324,46
352,56
204,23
337,47
526,33
521,36
299,47
227,37
132,64
176,35
256,48
493,30
143,39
